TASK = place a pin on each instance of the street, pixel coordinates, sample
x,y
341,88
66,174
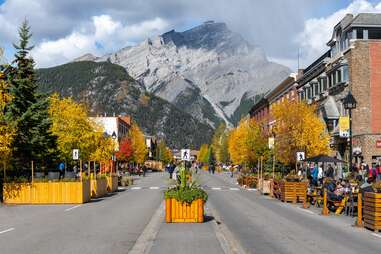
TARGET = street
x,y
132,220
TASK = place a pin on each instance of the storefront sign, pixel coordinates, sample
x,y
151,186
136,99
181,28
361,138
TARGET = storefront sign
x,y
344,127
378,143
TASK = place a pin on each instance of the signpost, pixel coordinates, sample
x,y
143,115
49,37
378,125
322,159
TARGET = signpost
x,y
185,154
344,127
300,156
75,154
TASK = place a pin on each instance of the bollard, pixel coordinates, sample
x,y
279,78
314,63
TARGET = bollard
x,y
359,210
325,211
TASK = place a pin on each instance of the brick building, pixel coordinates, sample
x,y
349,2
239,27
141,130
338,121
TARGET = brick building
x,y
353,63
286,90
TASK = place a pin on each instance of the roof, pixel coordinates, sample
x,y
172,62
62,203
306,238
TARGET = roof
x,y
367,19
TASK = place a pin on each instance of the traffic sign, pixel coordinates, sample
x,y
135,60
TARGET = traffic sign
x,y
75,154
185,155
300,156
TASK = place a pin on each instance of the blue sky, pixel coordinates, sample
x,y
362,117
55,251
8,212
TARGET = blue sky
x,y
63,30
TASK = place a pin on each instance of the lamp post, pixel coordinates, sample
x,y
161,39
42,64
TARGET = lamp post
x,y
113,136
350,103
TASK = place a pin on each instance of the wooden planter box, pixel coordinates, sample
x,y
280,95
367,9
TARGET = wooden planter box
x,y
264,186
98,187
372,211
112,183
293,191
176,211
47,193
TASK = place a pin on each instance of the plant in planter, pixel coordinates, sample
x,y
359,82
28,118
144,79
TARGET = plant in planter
x,y
377,186
185,201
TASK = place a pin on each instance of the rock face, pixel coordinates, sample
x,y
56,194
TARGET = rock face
x,y
107,88
207,71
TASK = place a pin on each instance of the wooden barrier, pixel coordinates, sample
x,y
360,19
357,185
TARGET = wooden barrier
x,y
293,191
98,187
325,210
112,183
47,193
359,210
372,211
176,211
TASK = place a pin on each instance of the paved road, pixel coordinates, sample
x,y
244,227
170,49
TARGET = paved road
x,y
108,225
264,225
255,223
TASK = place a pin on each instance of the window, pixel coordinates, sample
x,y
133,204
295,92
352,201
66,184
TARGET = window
x,y
324,80
334,78
365,35
309,95
330,81
316,85
345,73
338,76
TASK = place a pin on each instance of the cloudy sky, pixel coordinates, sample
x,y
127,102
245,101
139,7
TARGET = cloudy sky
x,y
63,30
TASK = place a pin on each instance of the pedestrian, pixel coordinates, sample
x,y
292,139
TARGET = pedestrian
x,y
330,171
61,168
379,172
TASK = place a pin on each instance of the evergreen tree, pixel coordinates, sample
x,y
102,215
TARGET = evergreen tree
x,y
28,110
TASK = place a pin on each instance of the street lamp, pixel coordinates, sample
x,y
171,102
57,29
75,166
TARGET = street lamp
x,y
350,103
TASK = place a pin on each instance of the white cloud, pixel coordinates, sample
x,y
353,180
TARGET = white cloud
x,y
318,31
104,35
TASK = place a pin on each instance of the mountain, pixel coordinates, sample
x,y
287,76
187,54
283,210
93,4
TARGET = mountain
x,y
107,88
208,71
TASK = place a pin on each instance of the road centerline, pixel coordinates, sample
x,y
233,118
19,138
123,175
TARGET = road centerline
x,y
71,208
7,230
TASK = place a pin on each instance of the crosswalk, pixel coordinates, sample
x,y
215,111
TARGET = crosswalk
x,y
206,187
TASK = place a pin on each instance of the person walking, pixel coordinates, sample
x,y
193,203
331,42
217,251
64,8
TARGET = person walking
x,y
61,168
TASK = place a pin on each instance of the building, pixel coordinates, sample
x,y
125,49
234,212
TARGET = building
x,y
352,63
120,125
286,90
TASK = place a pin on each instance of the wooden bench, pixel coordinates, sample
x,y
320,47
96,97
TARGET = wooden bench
x,y
338,204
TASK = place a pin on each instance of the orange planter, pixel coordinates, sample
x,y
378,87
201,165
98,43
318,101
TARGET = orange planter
x,y
176,211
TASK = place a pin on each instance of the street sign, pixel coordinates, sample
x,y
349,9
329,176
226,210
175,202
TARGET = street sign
x,y
271,142
185,155
300,156
75,154
344,127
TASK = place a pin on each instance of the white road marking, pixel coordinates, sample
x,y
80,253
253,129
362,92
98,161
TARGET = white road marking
x,y
7,230
305,210
251,189
154,188
234,189
377,235
136,188
216,188
71,208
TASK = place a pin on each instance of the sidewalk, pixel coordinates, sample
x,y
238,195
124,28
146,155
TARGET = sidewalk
x,y
187,238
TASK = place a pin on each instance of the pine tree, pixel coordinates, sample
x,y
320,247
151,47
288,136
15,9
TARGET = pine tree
x,y
28,110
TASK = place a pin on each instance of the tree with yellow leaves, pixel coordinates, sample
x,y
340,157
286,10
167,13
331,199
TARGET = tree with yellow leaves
x,y
6,131
203,153
246,143
298,128
73,128
138,143
105,147
219,144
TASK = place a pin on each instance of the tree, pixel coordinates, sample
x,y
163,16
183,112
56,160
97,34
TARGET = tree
x,y
298,128
219,144
138,144
6,131
164,153
125,150
73,128
28,111
203,153
246,143
105,147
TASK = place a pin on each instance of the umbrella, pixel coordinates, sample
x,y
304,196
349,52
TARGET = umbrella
x,y
323,158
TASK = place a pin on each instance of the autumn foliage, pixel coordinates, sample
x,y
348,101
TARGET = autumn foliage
x,y
6,131
125,150
298,128
247,143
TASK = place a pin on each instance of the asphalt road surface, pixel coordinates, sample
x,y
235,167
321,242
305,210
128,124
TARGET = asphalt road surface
x,y
132,220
